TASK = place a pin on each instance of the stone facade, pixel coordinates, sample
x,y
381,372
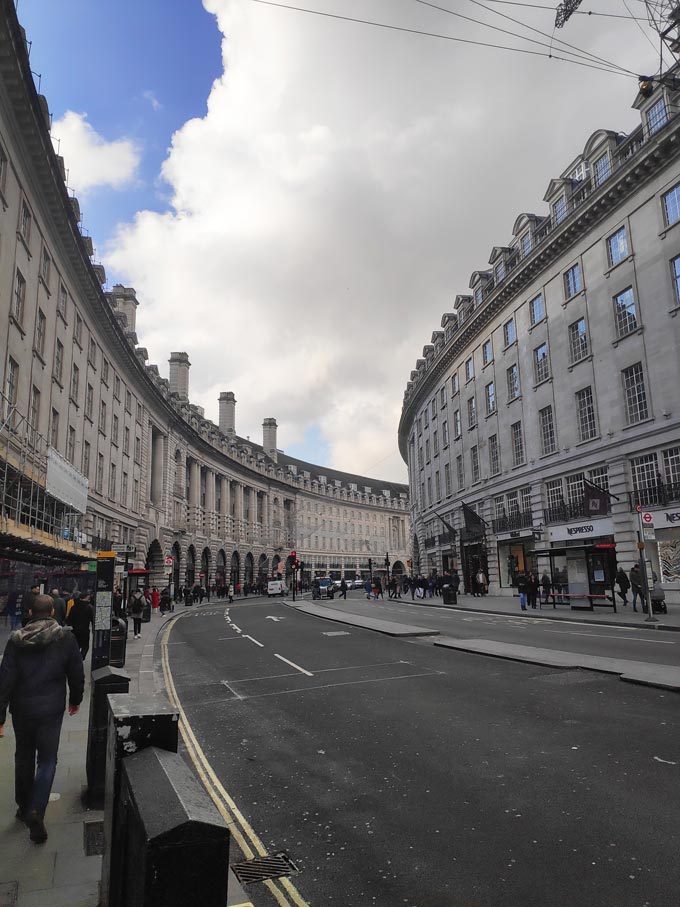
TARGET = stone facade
x,y
560,368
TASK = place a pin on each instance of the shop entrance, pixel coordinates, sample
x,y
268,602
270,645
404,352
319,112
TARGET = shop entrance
x,y
474,559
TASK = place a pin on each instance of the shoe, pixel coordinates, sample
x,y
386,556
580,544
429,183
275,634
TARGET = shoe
x,y
38,832
20,814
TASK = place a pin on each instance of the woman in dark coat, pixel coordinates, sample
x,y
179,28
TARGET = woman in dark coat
x,y
623,583
80,619
532,589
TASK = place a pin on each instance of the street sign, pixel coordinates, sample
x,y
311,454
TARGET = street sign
x,y
638,508
648,519
648,533
123,549
169,562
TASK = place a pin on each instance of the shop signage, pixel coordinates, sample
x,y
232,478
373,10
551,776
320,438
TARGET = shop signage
x,y
515,534
581,531
666,518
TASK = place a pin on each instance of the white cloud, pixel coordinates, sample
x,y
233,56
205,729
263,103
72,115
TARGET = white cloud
x,y
150,96
342,187
91,160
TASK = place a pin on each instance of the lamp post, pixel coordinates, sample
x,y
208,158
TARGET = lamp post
x,y
387,566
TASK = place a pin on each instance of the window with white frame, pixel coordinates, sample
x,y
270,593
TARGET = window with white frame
x,y
586,418
494,456
58,369
644,472
547,430
578,340
675,273
499,506
499,271
617,246
572,281
426,418
512,377
105,371
454,384
71,444
490,397
433,408
474,463
525,499
460,474
469,369
435,442
115,424
635,394
78,331
509,334
102,416
40,332
447,479
541,363
671,465
536,309
471,412
89,401
657,116
437,486
625,313
11,388
19,298
525,243
429,491
559,210
86,459
99,478
75,382
478,296
487,352
517,441
456,424
427,450
512,503
45,266
602,169
25,223
124,489
554,493
34,412
61,301
599,476
445,432
574,485
54,429
671,205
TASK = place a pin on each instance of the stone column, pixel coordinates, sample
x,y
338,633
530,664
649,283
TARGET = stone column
x,y
157,462
194,493
224,507
238,509
209,502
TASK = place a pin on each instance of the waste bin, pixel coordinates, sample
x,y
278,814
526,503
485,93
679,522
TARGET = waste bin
x,y
119,632
449,596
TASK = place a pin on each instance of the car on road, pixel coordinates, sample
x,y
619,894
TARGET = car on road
x,y
276,587
357,584
326,588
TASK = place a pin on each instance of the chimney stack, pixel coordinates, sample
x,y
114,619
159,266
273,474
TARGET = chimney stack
x,y
179,375
124,299
269,427
228,414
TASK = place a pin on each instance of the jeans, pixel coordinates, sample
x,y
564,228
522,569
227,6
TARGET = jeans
x,y
523,600
35,737
637,593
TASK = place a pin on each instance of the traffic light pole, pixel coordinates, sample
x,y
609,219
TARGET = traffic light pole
x,y
650,619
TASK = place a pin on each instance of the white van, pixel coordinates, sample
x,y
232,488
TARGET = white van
x,y
276,587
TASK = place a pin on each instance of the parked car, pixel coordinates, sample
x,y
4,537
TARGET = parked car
x,y
326,588
276,587
357,584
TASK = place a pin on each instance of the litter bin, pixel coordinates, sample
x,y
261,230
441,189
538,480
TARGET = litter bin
x,y
119,632
449,596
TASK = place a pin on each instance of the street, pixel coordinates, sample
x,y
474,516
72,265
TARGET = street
x,y
393,772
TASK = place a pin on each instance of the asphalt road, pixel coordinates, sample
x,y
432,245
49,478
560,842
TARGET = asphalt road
x,y
396,773
588,638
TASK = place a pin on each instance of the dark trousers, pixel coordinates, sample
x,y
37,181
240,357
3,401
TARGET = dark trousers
x,y
83,641
137,625
35,738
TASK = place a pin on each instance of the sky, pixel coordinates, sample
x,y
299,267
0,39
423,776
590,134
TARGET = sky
x,y
297,199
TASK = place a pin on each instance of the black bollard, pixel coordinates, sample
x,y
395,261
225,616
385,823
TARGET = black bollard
x,y
104,681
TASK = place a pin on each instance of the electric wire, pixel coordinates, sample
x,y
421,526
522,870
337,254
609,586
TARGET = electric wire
x,y
577,12
644,33
618,71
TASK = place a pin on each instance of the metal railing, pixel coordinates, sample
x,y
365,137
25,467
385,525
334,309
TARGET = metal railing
x,y
563,512
655,496
512,521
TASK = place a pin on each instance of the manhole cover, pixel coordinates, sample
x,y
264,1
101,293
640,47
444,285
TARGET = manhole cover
x,y
273,866
8,894
93,836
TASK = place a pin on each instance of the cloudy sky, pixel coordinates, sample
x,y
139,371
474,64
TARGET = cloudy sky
x,y
297,199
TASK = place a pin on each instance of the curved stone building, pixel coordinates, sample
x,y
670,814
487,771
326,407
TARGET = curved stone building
x,y
98,450
547,407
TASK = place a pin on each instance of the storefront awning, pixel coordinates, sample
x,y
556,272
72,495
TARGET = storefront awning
x,y
564,549
31,551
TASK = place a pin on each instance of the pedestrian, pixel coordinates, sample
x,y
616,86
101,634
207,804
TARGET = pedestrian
x,y
165,603
11,610
27,600
38,661
117,602
482,582
230,593
155,599
455,581
80,618
368,589
636,586
343,589
532,589
59,607
623,583
136,609
522,587
546,586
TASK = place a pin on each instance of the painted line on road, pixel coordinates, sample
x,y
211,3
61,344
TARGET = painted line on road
x,y
346,683
260,644
222,638
659,642
293,665
231,689
283,890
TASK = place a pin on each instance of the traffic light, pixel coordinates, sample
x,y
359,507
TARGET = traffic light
x,y
301,565
293,556
646,86
370,564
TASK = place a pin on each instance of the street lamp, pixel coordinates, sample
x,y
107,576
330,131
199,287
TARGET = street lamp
x,y
387,566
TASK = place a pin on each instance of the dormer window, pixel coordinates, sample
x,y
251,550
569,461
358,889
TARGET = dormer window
x,y
500,271
657,116
525,243
579,172
478,296
559,209
602,169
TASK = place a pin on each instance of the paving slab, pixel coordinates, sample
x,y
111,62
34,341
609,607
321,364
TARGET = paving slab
x,y
388,627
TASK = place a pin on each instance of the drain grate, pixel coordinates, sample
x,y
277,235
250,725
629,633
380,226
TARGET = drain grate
x,y
93,836
273,866
571,676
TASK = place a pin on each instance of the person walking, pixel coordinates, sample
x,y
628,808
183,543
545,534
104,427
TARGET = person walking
x,y
27,600
546,586
522,587
636,586
80,618
37,663
166,600
59,607
155,599
136,609
482,582
343,589
230,593
532,589
368,588
455,581
623,583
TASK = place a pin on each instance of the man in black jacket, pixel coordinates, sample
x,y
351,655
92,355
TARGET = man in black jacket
x,y
37,662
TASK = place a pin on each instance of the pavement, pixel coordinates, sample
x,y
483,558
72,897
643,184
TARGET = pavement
x,y
59,872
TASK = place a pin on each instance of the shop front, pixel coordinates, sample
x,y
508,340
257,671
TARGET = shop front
x,y
662,548
515,555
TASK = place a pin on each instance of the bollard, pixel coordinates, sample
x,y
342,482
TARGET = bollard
x,y
104,681
176,844
136,722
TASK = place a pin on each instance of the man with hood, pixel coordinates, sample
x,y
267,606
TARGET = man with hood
x,y
38,661
80,618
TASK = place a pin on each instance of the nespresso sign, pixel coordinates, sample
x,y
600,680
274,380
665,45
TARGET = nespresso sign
x,y
581,531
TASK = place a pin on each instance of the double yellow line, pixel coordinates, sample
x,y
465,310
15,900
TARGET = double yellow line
x,y
283,890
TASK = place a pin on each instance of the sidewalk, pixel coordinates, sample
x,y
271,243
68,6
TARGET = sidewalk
x,y
59,872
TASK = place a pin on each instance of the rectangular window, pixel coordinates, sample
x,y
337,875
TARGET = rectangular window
x,y
435,443
671,465
585,414
61,301
58,361
116,387
75,382
114,430
602,169
460,475
490,396
517,443
617,247
4,162
575,492
54,429
572,281
99,478
509,335
19,298
525,499
469,369
512,376
126,444
426,418
45,266
499,271
547,430
429,491
541,363
102,416
599,476
71,444
499,507
140,411
578,340
442,397
124,489
25,223
427,450
454,377
40,331
559,210
89,401
487,352
447,479
471,412
657,116
34,413
474,463
105,372
525,244
536,310
512,503
625,314
494,458
138,450
92,352
634,393
433,410
671,205
445,432
456,424
644,472
420,454
112,481
437,486
86,459
555,494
